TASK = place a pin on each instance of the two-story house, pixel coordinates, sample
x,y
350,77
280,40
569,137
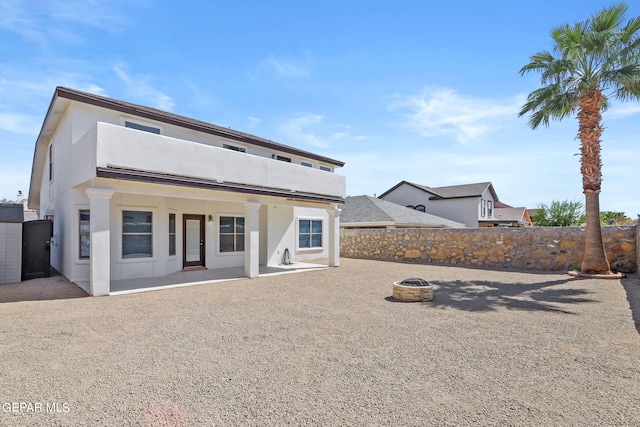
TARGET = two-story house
x,y
469,204
136,192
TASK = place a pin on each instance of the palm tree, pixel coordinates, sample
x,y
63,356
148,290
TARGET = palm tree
x,y
591,62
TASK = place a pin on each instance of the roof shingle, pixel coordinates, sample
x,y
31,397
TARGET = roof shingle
x,y
11,212
366,209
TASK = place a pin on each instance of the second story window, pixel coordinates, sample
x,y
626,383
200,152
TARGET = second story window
x,y
307,164
489,208
144,128
51,162
324,168
483,207
281,158
234,148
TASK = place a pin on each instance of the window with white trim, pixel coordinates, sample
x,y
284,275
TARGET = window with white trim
x,y
307,164
325,168
234,148
51,162
483,207
309,233
144,128
490,208
137,234
84,216
281,158
172,234
231,234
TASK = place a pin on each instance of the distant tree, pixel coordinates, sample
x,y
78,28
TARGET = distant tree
x,y
5,200
614,218
559,214
592,62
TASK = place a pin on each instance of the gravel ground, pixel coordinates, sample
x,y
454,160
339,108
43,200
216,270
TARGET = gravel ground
x,y
330,347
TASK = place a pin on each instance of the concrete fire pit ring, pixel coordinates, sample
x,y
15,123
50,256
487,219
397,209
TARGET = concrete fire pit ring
x,y
413,290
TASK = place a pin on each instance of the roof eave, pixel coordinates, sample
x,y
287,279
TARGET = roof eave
x,y
185,181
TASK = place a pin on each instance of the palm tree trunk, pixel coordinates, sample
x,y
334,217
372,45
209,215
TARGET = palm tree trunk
x,y
594,259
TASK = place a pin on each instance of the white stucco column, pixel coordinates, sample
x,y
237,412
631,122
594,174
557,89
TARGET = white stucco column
x,y
100,255
334,237
252,239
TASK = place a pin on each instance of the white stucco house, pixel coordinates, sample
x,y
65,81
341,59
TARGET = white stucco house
x,y
136,192
469,204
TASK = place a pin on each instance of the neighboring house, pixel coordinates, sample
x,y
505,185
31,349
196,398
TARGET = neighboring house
x,y
11,219
138,192
469,204
369,212
508,216
29,214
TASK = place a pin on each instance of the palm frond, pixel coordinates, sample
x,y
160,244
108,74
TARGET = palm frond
x,y
568,39
630,31
601,53
538,61
631,49
608,19
548,103
629,92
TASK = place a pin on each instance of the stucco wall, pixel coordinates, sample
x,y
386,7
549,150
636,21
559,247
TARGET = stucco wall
x,y
537,248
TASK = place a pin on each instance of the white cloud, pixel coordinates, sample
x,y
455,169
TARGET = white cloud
x,y
19,123
289,68
92,13
623,110
140,88
312,129
296,129
41,21
441,112
91,88
253,121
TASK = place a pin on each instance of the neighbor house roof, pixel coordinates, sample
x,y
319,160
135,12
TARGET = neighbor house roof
x,y
510,215
11,212
366,211
451,191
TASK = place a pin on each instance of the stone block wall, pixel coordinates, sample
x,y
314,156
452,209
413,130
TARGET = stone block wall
x,y
535,248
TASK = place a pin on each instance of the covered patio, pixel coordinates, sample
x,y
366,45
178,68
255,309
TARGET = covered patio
x,y
204,276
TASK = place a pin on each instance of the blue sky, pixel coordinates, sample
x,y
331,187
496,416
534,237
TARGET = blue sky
x,y
421,91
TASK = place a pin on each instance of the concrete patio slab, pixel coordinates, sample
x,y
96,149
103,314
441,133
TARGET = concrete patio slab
x,y
201,277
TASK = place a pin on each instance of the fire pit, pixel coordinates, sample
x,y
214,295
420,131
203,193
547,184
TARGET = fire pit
x,y
413,289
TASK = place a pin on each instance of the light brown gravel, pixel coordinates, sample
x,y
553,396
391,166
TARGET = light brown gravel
x,y
330,348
